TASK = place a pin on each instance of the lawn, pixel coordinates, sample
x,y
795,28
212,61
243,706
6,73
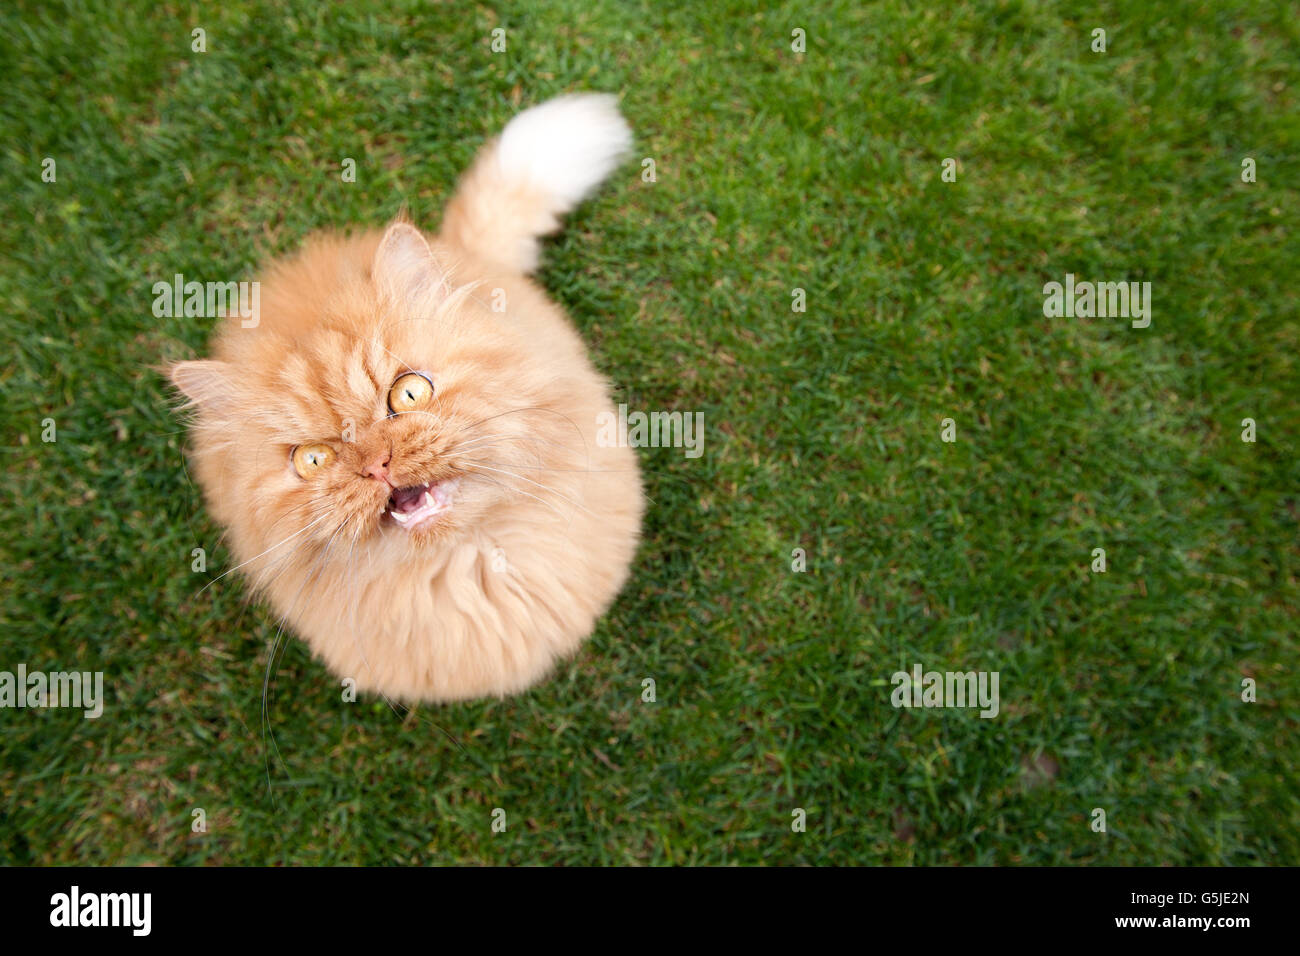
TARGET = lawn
x,y
923,301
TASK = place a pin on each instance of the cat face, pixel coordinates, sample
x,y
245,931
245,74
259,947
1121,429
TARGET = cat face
x,y
372,404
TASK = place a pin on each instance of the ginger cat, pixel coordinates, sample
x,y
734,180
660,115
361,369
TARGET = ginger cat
x,y
410,476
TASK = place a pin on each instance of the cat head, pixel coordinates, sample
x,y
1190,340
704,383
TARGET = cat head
x,y
372,402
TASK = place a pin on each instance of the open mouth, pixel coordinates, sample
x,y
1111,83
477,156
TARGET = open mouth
x,y
419,505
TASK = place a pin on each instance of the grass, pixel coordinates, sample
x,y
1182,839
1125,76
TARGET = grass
x,y
774,171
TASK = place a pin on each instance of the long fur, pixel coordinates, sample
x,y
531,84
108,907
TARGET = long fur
x,y
545,522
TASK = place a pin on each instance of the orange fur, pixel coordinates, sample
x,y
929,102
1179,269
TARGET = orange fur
x,y
545,522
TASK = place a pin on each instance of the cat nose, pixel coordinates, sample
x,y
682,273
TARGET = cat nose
x,y
378,469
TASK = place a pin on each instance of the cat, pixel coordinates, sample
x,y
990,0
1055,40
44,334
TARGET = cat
x,y
403,449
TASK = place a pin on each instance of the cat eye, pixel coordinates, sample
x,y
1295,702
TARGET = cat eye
x,y
410,393
310,460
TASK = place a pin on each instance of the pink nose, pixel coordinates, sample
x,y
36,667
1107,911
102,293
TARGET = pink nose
x,y
378,469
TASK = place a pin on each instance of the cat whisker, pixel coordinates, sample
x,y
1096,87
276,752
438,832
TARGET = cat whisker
x,y
568,471
276,644
564,497
518,491
267,551
530,408
513,439
284,558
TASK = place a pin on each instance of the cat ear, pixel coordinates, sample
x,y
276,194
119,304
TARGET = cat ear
x,y
207,384
405,264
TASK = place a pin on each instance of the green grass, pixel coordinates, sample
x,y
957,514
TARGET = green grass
x,y
774,171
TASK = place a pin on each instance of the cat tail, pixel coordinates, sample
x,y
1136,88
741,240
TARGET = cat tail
x,y
547,160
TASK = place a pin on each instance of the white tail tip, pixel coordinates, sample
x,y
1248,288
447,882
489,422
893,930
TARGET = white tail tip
x,y
566,146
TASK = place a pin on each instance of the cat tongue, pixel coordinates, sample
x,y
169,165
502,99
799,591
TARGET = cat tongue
x,y
408,499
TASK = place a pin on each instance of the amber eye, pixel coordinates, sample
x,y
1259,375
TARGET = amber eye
x,y
410,393
310,460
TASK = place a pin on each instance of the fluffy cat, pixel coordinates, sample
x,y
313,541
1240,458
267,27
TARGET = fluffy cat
x,y
411,477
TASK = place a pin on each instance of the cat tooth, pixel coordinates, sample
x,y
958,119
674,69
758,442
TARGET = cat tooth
x,y
399,517
428,500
